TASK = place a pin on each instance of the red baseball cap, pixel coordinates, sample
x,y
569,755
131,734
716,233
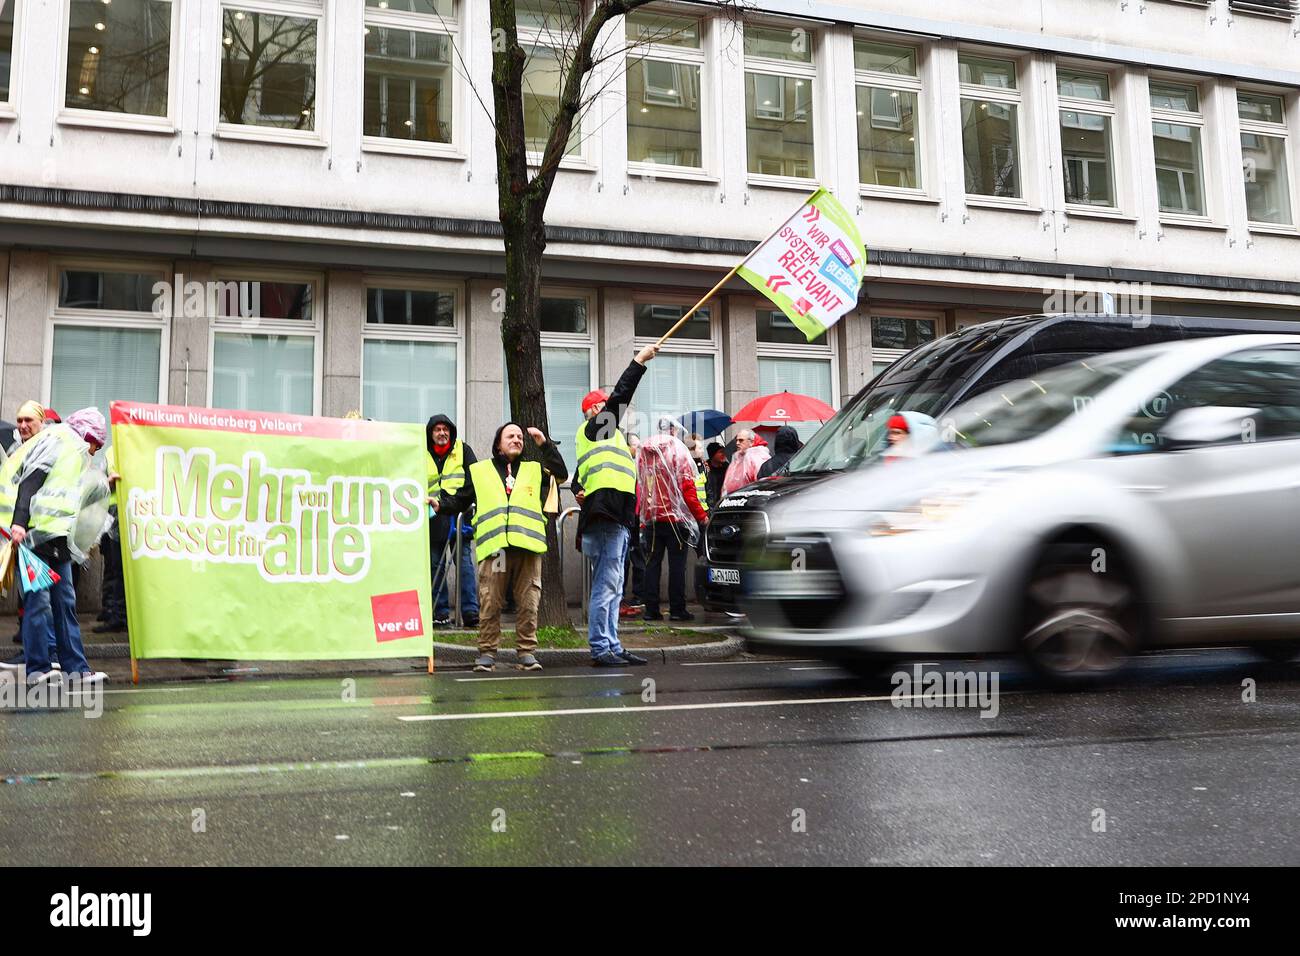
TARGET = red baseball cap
x,y
593,398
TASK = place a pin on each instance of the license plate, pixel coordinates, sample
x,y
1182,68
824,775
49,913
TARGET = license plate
x,y
724,575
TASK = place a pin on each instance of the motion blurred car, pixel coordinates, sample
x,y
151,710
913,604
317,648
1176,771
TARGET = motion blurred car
x,y
931,380
1141,499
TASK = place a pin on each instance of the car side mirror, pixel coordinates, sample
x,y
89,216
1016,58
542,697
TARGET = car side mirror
x,y
1207,425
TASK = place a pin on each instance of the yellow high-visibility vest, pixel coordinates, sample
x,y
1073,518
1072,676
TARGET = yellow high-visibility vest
x,y
452,476
514,520
606,463
54,507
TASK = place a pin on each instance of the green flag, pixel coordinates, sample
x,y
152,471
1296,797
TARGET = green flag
x,y
811,268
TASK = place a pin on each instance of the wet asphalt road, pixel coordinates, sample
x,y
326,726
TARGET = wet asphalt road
x,y
574,766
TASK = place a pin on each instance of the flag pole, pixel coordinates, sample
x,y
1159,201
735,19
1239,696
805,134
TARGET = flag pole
x,y
736,268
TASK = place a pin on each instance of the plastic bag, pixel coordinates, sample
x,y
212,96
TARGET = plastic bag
x,y
744,467
34,573
93,517
8,564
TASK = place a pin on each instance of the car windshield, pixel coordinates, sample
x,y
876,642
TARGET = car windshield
x,y
1026,409
856,436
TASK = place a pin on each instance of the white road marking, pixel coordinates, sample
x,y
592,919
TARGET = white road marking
x,y
478,680
722,705
797,660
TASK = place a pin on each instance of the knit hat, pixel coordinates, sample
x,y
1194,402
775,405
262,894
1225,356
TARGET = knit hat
x,y
898,421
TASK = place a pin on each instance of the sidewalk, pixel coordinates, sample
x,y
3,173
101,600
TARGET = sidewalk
x,y
716,640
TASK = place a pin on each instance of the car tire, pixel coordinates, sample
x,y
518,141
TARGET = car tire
x,y
1080,626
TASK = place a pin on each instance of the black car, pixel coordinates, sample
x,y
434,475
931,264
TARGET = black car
x,y
931,380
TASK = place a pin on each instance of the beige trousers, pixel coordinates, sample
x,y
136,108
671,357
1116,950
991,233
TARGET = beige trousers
x,y
495,575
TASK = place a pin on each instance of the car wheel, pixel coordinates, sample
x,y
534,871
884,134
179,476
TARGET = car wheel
x,y
1279,652
1081,625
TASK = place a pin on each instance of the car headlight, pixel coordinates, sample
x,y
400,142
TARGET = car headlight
x,y
935,508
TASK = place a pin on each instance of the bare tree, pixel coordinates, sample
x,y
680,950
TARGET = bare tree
x,y
577,45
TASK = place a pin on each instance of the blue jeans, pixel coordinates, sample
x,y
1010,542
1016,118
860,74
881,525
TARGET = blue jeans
x,y
468,585
50,618
604,544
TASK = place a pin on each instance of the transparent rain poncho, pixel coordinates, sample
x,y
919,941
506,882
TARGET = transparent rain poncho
x,y
744,467
93,492
662,465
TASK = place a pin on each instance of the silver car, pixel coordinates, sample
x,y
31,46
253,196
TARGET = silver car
x,y
1139,499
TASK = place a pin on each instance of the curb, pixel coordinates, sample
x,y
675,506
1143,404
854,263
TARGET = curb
x,y
553,656
576,656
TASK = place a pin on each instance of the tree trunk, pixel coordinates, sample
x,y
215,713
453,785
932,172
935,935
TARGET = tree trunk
x,y
525,241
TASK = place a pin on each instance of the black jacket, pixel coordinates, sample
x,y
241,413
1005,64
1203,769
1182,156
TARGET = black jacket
x,y
440,524
606,504
786,443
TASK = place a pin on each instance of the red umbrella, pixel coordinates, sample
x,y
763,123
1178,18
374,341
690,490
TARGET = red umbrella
x,y
785,407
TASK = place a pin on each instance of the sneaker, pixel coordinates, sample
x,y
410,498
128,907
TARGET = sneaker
x,y
652,616
630,610
528,662
471,620
684,616
442,622
630,658
88,677
44,677
608,660
485,662
14,663
109,627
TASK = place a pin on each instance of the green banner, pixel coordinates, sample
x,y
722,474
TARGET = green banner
x,y
262,536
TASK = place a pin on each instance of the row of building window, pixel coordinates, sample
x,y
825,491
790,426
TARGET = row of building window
x,y
110,325
119,53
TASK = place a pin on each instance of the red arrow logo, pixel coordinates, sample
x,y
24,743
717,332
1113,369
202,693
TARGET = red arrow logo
x,y
812,214
776,283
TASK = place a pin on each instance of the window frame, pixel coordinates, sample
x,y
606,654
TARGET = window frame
x,y
675,346
905,84
318,136
785,69
565,340
9,107
533,36
1279,130
55,316
1108,108
878,354
460,33
374,331
313,329
828,352
1197,120
1005,96
679,56
136,122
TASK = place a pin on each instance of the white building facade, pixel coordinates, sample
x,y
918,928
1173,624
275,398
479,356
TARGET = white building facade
x,y
339,154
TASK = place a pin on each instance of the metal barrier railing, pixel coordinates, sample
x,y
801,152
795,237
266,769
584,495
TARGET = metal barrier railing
x,y
559,536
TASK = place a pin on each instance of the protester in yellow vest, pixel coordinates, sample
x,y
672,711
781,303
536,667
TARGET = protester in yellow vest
x,y
605,486
449,460
509,536
29,420
39,501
